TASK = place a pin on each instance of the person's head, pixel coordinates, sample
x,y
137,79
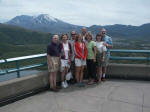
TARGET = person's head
x,y
83,30
88,36
73,34
99,37
79,38
103,32
55,38
64,37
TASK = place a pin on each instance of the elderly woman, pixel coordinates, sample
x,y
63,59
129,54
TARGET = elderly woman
x,y
53,58
91,58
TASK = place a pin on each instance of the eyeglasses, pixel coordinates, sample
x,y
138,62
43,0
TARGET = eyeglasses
x,y
73,34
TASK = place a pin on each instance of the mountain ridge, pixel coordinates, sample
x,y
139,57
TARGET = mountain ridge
x,y
46,23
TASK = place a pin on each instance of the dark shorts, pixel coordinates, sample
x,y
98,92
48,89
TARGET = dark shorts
x,y
99,62
72,67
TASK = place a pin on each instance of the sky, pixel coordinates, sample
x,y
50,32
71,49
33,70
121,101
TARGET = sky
x,y
81,12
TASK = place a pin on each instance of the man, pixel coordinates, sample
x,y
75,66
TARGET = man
x,y
83,33
53,60
72,40
108,43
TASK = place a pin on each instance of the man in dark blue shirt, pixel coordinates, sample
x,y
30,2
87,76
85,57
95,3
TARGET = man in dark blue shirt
x,y
53,60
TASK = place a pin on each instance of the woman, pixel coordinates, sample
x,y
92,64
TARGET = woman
x,y
65,53
80,59
53,58
100,56
91,58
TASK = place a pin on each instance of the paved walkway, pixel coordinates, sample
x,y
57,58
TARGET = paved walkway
x,y
110,96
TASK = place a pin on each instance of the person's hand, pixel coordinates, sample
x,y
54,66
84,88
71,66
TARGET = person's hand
x,y
103,59
50,65
94,60
59,62
69,61
105,44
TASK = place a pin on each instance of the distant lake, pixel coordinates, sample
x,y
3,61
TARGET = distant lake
x,y
14,75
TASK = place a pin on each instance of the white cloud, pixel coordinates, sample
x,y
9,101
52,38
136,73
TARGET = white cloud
x,y
81,12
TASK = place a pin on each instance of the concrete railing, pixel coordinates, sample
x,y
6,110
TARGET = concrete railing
x,y
29,84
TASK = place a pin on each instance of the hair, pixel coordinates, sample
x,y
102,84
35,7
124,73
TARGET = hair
x,y
88,34
98,36
55,36
64,35
77,37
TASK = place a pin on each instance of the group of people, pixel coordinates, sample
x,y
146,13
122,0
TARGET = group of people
x,y
76,53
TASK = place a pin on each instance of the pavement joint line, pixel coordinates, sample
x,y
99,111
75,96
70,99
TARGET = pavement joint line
x,y
125,102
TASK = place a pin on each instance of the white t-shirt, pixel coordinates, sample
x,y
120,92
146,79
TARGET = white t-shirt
x,y
100,47
66,50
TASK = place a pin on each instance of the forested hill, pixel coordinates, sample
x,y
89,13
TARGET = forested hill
x,y
16,35
16,41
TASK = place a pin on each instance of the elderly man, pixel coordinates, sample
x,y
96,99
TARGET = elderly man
x,y
53,58
83,33
109,45
72,40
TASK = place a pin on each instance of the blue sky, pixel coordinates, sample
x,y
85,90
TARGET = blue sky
x,y
81,12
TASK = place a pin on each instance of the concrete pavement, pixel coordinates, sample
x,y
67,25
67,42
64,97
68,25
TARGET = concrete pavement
x,y
109,96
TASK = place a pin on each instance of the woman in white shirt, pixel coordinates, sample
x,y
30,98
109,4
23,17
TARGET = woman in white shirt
x,y
65,53
100,56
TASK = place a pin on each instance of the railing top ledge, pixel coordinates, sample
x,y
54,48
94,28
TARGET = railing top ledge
x,y
25,57
2,61
129,51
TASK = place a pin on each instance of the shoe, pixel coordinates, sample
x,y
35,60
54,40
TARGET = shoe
x,y
103,79
53,90
58,87
91,82
81,84
63,85
66,83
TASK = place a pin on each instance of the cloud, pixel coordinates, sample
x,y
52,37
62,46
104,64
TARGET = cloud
x,y
81,12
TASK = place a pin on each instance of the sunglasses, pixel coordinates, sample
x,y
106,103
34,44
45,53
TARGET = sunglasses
x,y
73,34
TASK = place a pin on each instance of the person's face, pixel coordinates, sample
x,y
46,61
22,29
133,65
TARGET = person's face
x,y
83,31
99,38
55,39
73,35
88,37
64,38
80,38
103,32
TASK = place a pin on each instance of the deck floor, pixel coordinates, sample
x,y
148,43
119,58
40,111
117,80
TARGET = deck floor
x,y
109,96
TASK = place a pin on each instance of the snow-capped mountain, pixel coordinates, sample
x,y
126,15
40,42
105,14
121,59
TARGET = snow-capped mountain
x,y
43,22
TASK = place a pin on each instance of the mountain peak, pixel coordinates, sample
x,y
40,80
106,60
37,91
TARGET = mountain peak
x,y
46,17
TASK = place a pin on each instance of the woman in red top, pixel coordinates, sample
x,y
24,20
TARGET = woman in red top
x,y
80,58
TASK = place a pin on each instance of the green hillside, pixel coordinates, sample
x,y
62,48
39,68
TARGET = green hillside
x,y
16,41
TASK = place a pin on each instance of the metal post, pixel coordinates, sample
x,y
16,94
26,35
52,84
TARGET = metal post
x,y
18,72
148,58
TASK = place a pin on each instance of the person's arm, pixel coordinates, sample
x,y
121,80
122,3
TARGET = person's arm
x,y
95,50
77,50
95,53
85,51
109,45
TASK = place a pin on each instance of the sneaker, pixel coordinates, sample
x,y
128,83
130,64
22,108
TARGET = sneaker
x,y
66,83
63,85
81,84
